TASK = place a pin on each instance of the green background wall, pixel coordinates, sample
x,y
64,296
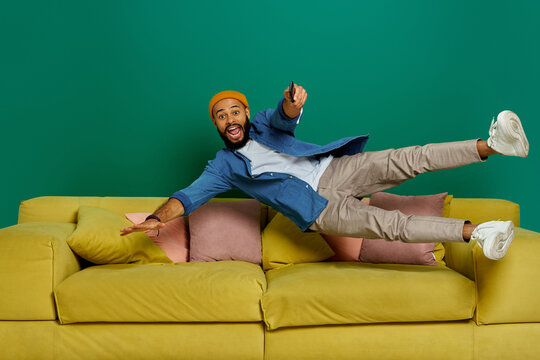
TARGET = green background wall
x,y
109,98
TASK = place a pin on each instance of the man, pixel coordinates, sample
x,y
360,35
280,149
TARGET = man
x,y
319,187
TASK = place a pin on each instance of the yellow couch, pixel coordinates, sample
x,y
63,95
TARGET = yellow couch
x,y
54,305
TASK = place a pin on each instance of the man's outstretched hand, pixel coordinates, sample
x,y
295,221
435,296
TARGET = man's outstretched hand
x,y
292,109
150,224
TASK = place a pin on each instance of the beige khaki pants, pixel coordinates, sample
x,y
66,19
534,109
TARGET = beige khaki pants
x,y
350,177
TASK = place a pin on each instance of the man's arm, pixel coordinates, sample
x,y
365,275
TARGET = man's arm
x,y
288,114
172,209
183,202
211,182
293,109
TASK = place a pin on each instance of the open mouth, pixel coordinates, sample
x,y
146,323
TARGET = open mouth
x,y
235,131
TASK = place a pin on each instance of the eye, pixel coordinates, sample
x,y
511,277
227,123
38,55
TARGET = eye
x,y
236,112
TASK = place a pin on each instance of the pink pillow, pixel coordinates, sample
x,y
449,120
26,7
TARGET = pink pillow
x,y
173,238
398,252
345,248
226,230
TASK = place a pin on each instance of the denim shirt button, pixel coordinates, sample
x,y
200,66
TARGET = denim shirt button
x,y
290,176
271,174
307,186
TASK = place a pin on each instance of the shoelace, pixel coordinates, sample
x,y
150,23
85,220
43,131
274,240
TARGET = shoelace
x,y
474,235
493,129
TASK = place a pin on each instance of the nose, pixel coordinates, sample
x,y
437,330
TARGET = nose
x,y
230,122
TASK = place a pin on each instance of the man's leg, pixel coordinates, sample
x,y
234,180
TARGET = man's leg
x,y
348,178
365,173
348,216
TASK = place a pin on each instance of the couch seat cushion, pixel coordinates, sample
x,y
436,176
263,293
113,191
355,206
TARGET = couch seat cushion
x,y
354,292
221,291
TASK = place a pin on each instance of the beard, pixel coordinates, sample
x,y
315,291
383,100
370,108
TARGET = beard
x,y
236,145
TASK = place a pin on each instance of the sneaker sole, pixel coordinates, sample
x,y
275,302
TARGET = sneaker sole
x,y
513,126
497,248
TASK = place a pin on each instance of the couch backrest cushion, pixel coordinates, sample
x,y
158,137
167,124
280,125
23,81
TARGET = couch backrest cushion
x,y
97,239
397,252
482,210
220,230
283,243
64,208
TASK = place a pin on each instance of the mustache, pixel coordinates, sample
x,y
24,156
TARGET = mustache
x,y
246,127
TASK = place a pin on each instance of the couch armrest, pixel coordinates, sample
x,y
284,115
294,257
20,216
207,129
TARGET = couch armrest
x,y
34,258
507,289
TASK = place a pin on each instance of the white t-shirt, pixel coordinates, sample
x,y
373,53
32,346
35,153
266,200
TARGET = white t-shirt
x,y
264,159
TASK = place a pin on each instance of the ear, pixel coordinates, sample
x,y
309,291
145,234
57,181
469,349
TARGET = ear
x,y
247,113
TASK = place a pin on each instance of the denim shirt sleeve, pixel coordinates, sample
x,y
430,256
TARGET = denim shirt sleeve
x,y
280,120
210,183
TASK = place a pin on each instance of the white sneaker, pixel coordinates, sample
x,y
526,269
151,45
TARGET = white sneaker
x,y
494,237
506,135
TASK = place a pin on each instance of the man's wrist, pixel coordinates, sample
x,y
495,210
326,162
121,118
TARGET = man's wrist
x,y
153,216
291,113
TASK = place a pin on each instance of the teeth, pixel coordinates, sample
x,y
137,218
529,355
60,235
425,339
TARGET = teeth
x,y
233,128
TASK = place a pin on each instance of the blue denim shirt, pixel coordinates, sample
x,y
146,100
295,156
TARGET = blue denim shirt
x,y
285,193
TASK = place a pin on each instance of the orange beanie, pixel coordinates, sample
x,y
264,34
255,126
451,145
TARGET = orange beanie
x,y
226,95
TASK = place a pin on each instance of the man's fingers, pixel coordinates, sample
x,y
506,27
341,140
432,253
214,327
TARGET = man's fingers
x,y
129,230
140,227
300,96
296,92
300,100
304,98
286,94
